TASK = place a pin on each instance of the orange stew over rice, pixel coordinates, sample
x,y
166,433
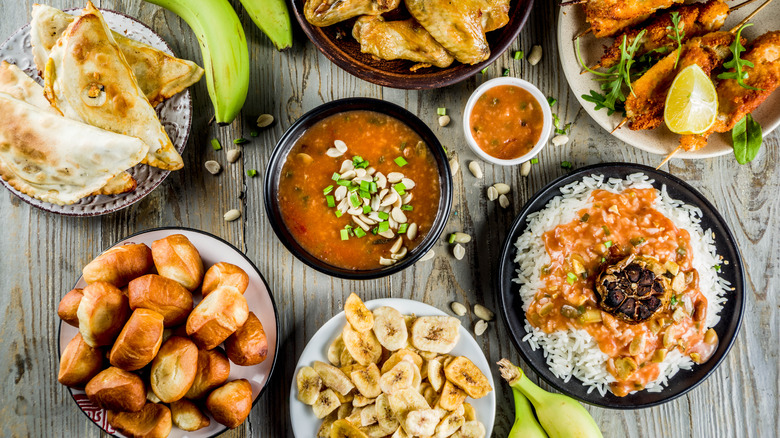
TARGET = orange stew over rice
x,y
616,226
359,190
506,122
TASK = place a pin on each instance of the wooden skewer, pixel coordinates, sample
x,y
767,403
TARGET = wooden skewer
x,y
573,2
620,125
669,157
582,34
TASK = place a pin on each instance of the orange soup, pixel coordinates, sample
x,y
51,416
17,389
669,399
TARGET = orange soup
x,y
359,190
617,225
506,122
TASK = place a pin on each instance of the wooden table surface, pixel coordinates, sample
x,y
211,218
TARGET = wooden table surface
x,y
43,253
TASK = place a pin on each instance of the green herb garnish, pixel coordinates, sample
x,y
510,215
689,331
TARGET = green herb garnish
x,y
606,230
678,36
359,233
441,111
566,164
331,201
505,72
215,144
407,207
534,161
518,55
673,300
552,101
338,213
254,134
746,138
571,278
251,173
484,70
383,226
608,243
402,228
344,234
335,176
585,217
327,190
452,238
613,79
240,141
737,63
383,215
401,162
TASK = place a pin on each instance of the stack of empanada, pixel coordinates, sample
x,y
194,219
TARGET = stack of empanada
x,y
94,118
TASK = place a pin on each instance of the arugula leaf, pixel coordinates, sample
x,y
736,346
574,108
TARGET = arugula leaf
x,y
613,79
678,36
737,63
746,137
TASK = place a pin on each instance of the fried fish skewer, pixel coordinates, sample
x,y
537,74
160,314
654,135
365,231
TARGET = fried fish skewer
x,y
735,101
696,19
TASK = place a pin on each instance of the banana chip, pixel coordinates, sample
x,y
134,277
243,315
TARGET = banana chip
x,y
390,328
467,376
366,381
435,334
359,317
309,384
363,347
344,429
333,378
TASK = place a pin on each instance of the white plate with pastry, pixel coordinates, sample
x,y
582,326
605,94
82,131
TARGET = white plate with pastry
x,y
151,284
43,78
305,422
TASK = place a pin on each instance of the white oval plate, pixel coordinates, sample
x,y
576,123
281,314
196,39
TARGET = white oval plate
x,y
305,424
258,296
571,21
175,115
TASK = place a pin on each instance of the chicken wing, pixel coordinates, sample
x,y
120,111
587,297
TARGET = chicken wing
x,y
400,40
456,25
645,105
323,13
607,17
495,14
735,101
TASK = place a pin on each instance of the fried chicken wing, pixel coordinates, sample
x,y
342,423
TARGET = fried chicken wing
x,y
696,19
456,25
495,14
645,105
608,17
323,13
735,101
405,39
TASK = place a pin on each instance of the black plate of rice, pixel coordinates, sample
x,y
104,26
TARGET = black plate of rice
x,y
686,203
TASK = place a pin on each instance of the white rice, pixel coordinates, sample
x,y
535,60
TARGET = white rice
x,y
574,352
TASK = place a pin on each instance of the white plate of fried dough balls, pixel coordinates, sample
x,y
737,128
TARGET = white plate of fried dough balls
x,y
170,332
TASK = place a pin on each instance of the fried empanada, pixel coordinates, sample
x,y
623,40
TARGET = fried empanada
x,y
88,79
159,74
15,82
56,159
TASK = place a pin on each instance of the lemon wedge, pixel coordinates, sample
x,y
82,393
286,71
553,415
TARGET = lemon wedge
x,y
692,102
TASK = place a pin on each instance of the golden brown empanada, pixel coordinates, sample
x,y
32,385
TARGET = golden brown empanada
x,y
87,79
159,75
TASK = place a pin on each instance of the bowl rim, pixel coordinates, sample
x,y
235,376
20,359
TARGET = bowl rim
x,y
251,263
544,136
506,268
384,78
294,132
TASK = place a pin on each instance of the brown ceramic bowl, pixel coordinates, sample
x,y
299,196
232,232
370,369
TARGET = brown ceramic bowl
x,y
337,44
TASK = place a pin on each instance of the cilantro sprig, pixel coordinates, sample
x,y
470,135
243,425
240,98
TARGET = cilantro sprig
x,y
737,63
615,79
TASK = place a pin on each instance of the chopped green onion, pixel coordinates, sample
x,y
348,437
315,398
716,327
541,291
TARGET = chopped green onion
x,y
608,243
366,209
452,238
485,70
254,133
716,267
354,199
339,213
571,278
331,201
673,301
407,207
603,259
364,194
518,54
215,144
251,173
240,141
441,111
636,241
335,176
585,217
384,226
400,188
372,187
365,185
681,251
344,182
566,164
327,190
556,121
344,235
505,72
402,228
359,232
383,215
606,230
534,161
552,101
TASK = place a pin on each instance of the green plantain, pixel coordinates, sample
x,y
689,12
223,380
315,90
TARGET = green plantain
x,y
273,18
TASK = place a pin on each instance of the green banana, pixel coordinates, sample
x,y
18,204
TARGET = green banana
x,y
273,18
559,415
525,425
224,49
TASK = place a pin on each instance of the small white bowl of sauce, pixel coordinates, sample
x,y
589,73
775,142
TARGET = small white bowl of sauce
x,y
507,121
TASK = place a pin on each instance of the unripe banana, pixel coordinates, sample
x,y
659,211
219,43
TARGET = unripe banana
x,y
525,425
273,18
224,49
559,415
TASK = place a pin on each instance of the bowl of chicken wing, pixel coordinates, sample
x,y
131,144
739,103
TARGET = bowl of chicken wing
x,y
412,44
